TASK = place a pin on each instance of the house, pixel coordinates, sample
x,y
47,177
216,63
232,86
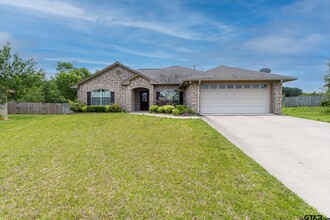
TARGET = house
x,y
221,90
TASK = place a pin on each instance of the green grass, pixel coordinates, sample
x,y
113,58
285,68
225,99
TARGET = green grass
x,y
317,113
122,166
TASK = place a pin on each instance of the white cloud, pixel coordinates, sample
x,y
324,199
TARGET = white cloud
x,y
76,60
172,25
283,43
52,7
160,55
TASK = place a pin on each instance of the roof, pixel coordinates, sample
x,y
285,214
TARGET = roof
x,y
232,73
169,75
75,86
179,74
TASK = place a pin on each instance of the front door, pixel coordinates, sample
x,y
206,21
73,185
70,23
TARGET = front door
x,y
144,97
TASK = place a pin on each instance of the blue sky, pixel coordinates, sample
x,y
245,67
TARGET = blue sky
x,y
290,37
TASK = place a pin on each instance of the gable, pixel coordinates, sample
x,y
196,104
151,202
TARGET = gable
x,y
115,71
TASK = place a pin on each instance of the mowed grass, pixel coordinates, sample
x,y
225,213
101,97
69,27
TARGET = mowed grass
x,y
317,113
123,166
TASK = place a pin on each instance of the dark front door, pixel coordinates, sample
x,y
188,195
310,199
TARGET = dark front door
x,y
144,97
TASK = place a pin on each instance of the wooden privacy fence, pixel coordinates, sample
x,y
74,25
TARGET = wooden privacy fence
x,y
38,108
302,101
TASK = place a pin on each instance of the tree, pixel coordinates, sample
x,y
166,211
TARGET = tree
x,y
327,83
67,76
291,92
51,92
19,75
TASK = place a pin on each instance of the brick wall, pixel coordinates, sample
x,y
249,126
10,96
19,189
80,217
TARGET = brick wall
x,y
190,96
277,98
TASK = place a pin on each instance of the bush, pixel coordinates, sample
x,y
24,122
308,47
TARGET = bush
x,y
185,110
325,103
160,109
176,111
76,106
1,118
84,109
181,107
95,108
168,109
154,108
114,108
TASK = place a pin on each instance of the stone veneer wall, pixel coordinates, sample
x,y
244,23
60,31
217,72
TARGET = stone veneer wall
x,y
4,111
277,98
110,80
190,96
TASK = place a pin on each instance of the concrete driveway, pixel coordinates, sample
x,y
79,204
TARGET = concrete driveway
x,y
294,150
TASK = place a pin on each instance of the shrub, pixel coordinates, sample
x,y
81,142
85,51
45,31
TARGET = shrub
x,y
181,107
1,118
84,109
160,109
114,108
168,109
95,108
154,108
76,106
176,111
325,103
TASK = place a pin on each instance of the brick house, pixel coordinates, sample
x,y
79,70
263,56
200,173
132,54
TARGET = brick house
x,y
221,90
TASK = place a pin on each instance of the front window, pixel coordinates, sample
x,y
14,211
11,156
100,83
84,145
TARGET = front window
x,y
101,97
168,97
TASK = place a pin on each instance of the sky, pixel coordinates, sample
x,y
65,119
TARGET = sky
x,y
290,37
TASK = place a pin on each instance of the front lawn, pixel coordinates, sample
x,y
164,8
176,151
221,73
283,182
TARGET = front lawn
x,y
123,166
318,113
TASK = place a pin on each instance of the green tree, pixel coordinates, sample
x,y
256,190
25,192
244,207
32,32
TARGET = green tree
x,y
291,92
51,92
67,76
19,75
327,83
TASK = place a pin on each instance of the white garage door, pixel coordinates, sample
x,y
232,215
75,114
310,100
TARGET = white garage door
x,y
235,98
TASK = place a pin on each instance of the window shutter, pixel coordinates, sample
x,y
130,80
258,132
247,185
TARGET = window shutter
x,y
89,99
181,98
112,98
157,98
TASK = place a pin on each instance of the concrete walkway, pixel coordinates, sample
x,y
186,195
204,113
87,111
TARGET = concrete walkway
x,y
294,150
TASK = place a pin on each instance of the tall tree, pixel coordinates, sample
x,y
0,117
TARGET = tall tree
x,y
291,91
327,83
67,76
19,75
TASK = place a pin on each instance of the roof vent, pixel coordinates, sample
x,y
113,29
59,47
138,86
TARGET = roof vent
x,y
265,70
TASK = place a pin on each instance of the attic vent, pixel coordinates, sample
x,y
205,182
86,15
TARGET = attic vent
x,y
265,70
118,72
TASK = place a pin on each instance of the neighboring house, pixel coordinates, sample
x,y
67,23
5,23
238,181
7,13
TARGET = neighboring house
x,y
221,90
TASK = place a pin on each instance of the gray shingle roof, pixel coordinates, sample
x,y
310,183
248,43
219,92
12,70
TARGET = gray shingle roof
x,y
169,75
233,73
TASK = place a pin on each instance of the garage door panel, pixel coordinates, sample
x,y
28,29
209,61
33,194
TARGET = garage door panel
x,y
235,101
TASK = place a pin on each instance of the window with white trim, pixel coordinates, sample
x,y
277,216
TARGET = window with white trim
x,y
101,97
